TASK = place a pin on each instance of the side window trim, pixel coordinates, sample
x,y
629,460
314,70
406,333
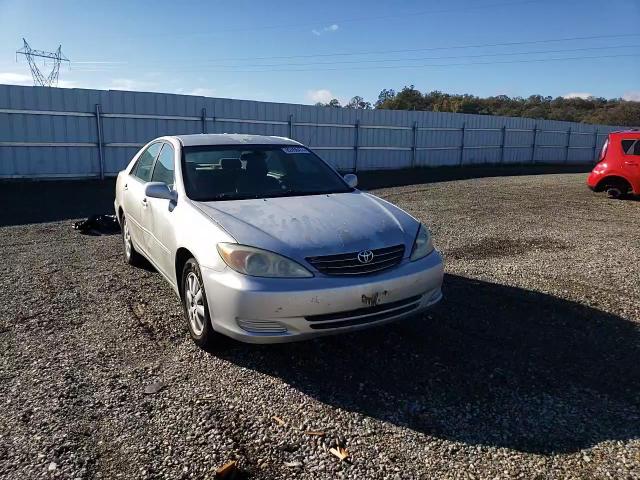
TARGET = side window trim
x,y
135,166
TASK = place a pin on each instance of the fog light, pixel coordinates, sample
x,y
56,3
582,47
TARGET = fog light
x,y
265,327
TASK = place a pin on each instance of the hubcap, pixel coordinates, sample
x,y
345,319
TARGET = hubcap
x,y
194,303
127,239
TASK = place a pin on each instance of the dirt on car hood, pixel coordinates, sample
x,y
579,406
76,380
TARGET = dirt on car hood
x,y
316,224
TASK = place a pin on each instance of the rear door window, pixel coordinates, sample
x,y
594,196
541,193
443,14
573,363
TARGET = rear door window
x,y
142,168
627,146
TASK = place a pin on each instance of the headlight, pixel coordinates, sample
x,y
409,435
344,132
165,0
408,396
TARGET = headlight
x,y
260,263
423,245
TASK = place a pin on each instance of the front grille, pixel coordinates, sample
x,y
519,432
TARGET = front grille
x,y
348,263
365,315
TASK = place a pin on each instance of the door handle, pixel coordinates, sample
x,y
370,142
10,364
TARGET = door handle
x,y
630,163
144,202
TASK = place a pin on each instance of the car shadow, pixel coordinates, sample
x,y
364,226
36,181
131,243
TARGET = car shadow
x,y
630,198
373,179
491,365
40,201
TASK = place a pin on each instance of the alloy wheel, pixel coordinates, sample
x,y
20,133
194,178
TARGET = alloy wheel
x,y
127,239
194,303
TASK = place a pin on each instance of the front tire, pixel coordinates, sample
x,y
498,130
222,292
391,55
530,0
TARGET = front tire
x,y
196,308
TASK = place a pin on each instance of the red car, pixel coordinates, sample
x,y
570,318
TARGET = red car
x,y
618,169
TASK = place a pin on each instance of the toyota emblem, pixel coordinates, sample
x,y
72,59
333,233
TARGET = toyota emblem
x,y
365,256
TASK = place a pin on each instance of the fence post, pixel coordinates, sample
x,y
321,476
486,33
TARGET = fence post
x,y
203,118
100,141
291,126
533,147
355,146
502,142
462,143
566,155
414,145
595,145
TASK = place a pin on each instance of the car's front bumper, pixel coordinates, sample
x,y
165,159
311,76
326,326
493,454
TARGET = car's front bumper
x,y
269,310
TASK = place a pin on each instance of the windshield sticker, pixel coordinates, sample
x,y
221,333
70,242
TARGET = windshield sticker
x,y
295,150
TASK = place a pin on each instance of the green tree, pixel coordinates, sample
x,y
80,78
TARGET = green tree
x,y
385,96
359,103
589,110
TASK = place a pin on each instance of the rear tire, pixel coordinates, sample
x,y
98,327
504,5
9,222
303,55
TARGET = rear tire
x,y
613,192
615,187
196,307
130,255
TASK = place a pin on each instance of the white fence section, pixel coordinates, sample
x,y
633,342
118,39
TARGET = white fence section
x,y
75,133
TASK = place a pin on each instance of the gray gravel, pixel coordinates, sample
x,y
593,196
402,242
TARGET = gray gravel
x,y
528,369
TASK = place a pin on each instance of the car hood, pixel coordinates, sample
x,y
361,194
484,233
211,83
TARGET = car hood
x,y
314,225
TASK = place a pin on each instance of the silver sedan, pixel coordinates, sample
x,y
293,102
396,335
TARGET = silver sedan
x,y
265,242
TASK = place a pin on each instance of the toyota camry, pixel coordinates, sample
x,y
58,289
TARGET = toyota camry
x,y
265,242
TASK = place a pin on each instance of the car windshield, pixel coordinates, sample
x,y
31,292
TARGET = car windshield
x,y
255,171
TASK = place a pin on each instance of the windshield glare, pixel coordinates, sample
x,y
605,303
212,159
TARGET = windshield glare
x,y
232,173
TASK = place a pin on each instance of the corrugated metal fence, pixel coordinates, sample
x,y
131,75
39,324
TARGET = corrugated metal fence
x,y
56,132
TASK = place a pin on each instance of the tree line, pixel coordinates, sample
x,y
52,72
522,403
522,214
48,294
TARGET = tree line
x,y
586,110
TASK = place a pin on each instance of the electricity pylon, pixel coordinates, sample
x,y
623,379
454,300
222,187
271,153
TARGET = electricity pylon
x,y
38,78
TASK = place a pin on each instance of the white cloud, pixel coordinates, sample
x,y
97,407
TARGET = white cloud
x,y
12,78
203,91
328,29
321,95
583,95
632,96
68,84
130,84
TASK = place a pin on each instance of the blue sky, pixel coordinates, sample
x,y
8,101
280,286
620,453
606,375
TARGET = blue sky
x,y
283,51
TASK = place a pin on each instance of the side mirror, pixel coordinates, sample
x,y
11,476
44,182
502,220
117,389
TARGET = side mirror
x,y
159,190
351,179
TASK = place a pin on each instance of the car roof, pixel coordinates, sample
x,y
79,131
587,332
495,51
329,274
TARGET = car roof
x,y
632,132
202,139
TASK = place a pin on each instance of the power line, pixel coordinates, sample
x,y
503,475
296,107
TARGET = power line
x,y
199,65
217,31
403,50
445,57
359,19
436,64
425,49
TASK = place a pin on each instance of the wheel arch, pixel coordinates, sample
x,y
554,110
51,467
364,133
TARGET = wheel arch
x,y
618,180
182,255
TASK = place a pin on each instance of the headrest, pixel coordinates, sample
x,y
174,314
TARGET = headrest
x,y
231,164
257,167
253,155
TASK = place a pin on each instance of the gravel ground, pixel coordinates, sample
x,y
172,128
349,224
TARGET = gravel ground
x,y
527,369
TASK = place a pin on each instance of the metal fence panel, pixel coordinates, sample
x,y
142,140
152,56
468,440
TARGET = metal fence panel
x,y
56,132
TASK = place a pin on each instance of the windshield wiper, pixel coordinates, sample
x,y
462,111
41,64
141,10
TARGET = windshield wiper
x,y
294,193
282,193
229,196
